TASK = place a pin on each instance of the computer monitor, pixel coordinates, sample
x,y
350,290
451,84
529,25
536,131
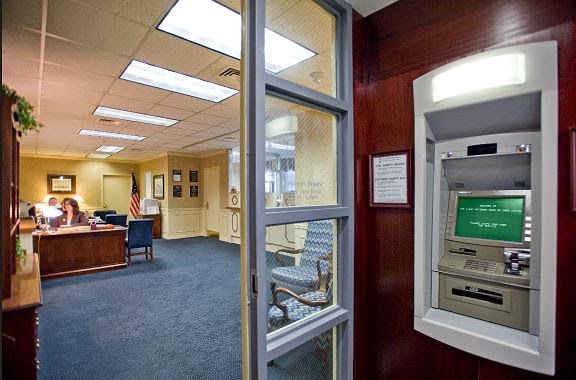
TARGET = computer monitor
x,y
498,218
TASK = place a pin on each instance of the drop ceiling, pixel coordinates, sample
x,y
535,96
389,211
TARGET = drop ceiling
x,y
66,56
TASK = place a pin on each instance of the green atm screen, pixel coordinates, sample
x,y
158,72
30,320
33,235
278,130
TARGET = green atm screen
x,y
490,218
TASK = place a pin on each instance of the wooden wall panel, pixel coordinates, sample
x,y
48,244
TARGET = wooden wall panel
x,y
402,42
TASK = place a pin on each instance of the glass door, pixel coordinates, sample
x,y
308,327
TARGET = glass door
x,y
297,185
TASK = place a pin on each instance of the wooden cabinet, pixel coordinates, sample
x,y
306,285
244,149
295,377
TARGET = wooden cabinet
x,y
21,293
157,227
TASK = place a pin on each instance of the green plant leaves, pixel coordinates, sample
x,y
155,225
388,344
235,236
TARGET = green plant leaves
x,y
25,111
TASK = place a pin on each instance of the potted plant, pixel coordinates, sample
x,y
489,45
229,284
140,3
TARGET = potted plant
x,y
20,254
24,111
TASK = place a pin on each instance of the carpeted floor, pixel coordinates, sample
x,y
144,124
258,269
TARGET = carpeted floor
x,y
176,318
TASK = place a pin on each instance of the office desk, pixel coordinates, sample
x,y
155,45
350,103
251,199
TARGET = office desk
x,y
69,252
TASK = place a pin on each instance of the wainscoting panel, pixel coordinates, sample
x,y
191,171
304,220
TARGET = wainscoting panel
x,y
178,223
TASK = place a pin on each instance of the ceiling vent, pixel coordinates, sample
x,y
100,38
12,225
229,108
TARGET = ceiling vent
x,y
108,121
229,72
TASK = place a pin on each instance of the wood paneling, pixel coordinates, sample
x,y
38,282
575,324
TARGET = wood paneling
x,y
402,42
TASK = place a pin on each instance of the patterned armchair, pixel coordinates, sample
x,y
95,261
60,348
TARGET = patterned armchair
x,y
297,307
313,266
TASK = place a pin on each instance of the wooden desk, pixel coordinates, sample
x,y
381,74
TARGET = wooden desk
x,y
69,252
157,226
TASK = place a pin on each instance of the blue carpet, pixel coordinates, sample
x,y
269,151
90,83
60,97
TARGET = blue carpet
x,y
178,317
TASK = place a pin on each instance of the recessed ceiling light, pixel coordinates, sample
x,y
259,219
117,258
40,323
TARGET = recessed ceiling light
x,y
110,149
98,155
89,132
217,27
133,116
155,76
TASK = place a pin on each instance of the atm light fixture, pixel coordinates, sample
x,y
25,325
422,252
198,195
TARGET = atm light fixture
x,y
133,116
497,71
90,132
219,28
159,77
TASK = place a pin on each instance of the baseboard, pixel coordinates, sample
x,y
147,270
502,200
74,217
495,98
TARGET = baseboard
x,y
180,235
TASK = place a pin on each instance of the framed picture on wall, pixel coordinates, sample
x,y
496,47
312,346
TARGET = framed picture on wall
x,y
390,179
62,184
177,191
176,175
159,186
193,175
194,191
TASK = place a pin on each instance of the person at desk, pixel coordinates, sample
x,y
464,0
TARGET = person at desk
x,y
72,216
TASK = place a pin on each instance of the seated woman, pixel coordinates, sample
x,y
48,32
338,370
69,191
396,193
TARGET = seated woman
x,y
71,217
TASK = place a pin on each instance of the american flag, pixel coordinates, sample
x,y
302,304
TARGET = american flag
x,y
135,201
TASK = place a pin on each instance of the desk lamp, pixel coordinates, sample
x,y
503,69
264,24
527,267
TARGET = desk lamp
x,y
51,212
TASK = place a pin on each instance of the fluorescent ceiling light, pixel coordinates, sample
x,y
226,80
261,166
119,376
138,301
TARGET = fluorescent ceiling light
x,y
217,27
133,116
155,76
89,132
503,70
98,155
110,149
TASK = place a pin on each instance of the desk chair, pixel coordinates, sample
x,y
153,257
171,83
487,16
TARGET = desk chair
x,y
117,219
102,213
139,236
306,277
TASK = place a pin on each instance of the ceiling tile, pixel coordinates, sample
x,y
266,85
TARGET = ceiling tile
x,y
136,91
26,13
76,78
93,27
20,66
170,112
143,12
184,57
71,54
186,102
202,118
126,104
231,124
24,86
212,72
186,125
21,43
223,111
65,94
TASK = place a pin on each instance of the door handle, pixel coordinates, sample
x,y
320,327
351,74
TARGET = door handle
x,y
104,205
207,205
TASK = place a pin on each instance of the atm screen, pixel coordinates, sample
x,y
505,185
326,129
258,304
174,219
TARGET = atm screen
x,y
490,218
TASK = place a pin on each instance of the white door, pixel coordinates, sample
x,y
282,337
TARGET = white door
x,y
116,193
212,197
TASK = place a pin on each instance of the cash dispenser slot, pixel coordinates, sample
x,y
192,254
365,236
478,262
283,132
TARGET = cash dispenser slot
x,y
479,294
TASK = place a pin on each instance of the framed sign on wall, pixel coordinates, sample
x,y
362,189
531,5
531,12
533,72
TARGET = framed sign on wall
x,y
176,175
194,191
193,175
62,184
390,179
159,186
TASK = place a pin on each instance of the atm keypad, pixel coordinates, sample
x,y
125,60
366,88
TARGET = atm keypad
x,y
481,266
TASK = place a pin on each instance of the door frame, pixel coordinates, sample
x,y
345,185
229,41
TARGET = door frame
x,y
259,347
205,192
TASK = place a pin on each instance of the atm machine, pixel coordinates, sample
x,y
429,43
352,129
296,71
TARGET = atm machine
x,y
485,199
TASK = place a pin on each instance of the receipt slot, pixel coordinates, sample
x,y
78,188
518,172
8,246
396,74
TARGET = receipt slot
x,y
485,185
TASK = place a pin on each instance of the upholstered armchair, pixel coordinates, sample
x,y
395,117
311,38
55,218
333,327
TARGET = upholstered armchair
x,y
139,236
298,306
117,219
313,266
102,213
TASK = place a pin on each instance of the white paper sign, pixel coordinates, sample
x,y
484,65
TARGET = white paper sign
x,y
390,179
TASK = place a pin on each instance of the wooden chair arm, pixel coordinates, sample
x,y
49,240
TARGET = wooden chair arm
x,y
295,296
289,251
